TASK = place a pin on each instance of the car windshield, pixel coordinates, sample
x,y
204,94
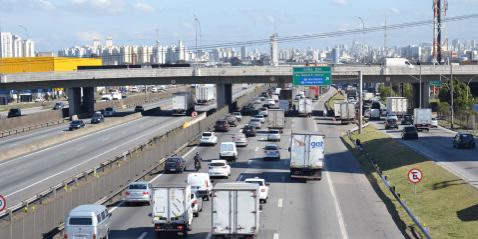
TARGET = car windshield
x,y
81,221
466,136
109,109
172,160
138,186
220,122
274,132
271,147
255,120
260,183
206,134
258,116
227,147
236,113
217,164
76,122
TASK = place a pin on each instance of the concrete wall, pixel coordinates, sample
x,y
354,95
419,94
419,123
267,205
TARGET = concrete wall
x,y
32,119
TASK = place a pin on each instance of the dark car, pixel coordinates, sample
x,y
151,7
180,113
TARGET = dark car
x,y
15,112
409,132
231,120
76,124
139,108
407,120
175,164
97,118
464,140
249,131
248,110
59,106
221,126
391,124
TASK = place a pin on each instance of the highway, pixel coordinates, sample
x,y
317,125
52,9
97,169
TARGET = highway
x,y
437,145
342,205
24,176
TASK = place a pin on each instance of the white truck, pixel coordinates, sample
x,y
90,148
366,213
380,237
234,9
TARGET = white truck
x,y
337,109
397,62
235,210
422,119
183,103
172,210
397,105
116,96
106,97
375,114
306,155
275,119
205,94
347,112
304,107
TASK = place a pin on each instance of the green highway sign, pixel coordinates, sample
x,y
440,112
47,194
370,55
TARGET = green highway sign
x,y
312,75
436,83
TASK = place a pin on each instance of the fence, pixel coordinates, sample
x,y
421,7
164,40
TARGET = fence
x,y
43,217
462,119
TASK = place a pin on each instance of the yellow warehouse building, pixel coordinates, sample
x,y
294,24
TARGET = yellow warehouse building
x,y
44,64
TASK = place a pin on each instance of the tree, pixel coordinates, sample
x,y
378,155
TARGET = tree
x,y
408,91
462,97
385,91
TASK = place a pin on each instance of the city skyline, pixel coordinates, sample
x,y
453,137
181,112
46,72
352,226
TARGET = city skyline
x,y
135,22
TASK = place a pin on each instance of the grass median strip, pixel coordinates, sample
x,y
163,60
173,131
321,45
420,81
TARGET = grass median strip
x,y
445,204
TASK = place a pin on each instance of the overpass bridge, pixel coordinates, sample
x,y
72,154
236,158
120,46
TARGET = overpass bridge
x,y
224,77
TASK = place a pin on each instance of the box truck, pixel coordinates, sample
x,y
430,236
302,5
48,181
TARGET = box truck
x,y
275,119
183,103
337,109
205,94
304,107
347,112
397,106
235,210
422,119
172,210
306,155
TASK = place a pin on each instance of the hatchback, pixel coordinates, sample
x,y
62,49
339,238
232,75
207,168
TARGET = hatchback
x,y
14,112
464,140
249,130
175,164
409,132
219,168
273,135
271,151
76,124
221,126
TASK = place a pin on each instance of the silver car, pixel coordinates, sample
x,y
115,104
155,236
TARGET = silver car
x,y
273,135
256,123
240,139
196,204
139,192
271,151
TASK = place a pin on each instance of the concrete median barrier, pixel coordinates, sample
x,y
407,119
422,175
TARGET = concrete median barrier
x,y
66,136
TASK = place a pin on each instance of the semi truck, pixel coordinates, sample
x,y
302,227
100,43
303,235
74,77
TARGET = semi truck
x,y
235,210
347,112
422,119
172,210
205,94
183,103
397,106
276,120
304,107
306,155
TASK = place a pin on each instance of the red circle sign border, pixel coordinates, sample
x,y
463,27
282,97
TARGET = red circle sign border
x,y
409,171
2,198
194,114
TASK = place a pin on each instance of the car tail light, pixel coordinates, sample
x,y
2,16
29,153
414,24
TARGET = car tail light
x,y
127,193
145,193
195,201
65,236
180,227
94,236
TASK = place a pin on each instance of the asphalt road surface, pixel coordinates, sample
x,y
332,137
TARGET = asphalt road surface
x,y
342,205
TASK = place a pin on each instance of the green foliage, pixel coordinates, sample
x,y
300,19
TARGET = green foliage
x,y
408,91
462,96
385,91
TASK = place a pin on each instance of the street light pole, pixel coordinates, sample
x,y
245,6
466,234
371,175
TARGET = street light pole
x,y
197,24
451,94
360,102
363,37
420,87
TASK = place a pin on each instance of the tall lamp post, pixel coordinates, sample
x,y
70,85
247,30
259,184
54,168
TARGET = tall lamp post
x,y
420,86
197,24
363,37
26,31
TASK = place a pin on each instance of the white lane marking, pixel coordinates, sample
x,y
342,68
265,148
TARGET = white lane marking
x,y
275,236
143,235
257,149
75,139
70,168
280,203
209,235
338,211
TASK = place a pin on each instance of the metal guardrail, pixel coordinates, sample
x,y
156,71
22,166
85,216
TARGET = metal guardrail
x,y
389,186
5,133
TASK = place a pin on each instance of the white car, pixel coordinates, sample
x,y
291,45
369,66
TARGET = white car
x,y
257,100
219,168
154,89
392,116
228,150
273,135
240,139
208,138
162,88
264,111
196,204
256,123
260,117
109,112
238,115
434,122
271,102
139,192
263,188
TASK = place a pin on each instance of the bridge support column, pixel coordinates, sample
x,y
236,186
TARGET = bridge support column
x,y
224,95
74,100
425,95
88,100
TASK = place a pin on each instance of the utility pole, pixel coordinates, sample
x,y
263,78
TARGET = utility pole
x,y
361,101
385,38
451,94
420,86
363,38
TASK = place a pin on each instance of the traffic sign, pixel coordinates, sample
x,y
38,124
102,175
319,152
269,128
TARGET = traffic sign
x,y
312,75
415,175
3,203
436,83
194,114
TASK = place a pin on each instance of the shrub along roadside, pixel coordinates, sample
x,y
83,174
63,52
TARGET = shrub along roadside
x,y
445,204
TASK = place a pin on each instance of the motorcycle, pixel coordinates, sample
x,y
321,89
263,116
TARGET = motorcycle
x,y
197,165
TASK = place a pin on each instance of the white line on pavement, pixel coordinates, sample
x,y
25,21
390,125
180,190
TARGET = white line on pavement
x,y
143,235
275,236
280,203
209,235
337,207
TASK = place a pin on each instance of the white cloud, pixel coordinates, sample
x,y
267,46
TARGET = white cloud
x,y
143,7
103,5
88,36
393,10
340,2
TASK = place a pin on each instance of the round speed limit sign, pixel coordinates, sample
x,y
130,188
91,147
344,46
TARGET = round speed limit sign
x,y
3,203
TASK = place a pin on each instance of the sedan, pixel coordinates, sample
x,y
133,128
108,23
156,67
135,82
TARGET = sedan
x,y
263,188
271,151
196,204
409,132
219,168
175,164
76,124
249,130
139,192
464,140
263,111
260,117
208,138
273,135
238,115
240,139
256,123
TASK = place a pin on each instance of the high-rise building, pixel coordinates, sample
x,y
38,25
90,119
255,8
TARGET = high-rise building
x,y
96,43
244,55
109,42
274,50
336,55
6,44
28,48
17,46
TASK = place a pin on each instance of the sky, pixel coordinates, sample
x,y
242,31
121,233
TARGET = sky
x,y
54,24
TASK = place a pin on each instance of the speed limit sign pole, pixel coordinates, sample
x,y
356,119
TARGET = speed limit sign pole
x,y
415,176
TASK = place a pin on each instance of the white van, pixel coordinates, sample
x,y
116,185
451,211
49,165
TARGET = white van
x,y
87,221
200,185
228,151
